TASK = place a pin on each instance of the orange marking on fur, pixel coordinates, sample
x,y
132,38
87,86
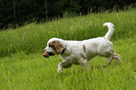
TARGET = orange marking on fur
x,y
84,48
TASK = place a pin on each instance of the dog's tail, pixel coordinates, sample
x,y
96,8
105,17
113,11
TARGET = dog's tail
x,y
110,31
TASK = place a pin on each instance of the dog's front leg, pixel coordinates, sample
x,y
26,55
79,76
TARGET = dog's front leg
x,y
62,65
84,63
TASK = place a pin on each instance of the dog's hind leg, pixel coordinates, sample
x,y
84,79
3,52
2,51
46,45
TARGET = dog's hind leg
x,y
110,55
116,57
110,59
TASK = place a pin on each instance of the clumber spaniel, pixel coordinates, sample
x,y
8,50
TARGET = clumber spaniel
x,y
80,52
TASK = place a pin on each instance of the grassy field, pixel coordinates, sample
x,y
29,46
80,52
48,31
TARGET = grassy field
x,y
22,66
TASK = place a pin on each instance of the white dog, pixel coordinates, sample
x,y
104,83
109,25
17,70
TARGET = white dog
x,y
80,52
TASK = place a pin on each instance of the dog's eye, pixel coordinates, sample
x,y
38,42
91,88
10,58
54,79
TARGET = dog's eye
x,y
49,45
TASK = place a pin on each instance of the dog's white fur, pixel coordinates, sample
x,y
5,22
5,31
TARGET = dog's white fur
x,y
80,52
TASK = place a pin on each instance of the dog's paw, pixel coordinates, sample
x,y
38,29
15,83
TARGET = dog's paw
x,y
60,71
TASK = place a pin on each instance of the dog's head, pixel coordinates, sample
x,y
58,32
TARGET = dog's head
x,y
54,46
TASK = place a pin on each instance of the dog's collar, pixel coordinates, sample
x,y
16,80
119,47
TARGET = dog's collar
x,y
63,51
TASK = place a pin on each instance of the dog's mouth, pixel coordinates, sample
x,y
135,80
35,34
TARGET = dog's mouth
x,y
51,54
47,54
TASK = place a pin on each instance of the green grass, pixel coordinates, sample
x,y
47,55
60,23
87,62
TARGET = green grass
x,y
33,71
22,66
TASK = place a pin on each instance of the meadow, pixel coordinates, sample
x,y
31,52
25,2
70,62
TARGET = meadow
x,y
22,66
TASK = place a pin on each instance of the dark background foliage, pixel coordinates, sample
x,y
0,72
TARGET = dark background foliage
x,y
14,13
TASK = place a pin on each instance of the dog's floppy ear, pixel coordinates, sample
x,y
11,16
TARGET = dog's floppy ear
x,y
58,45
